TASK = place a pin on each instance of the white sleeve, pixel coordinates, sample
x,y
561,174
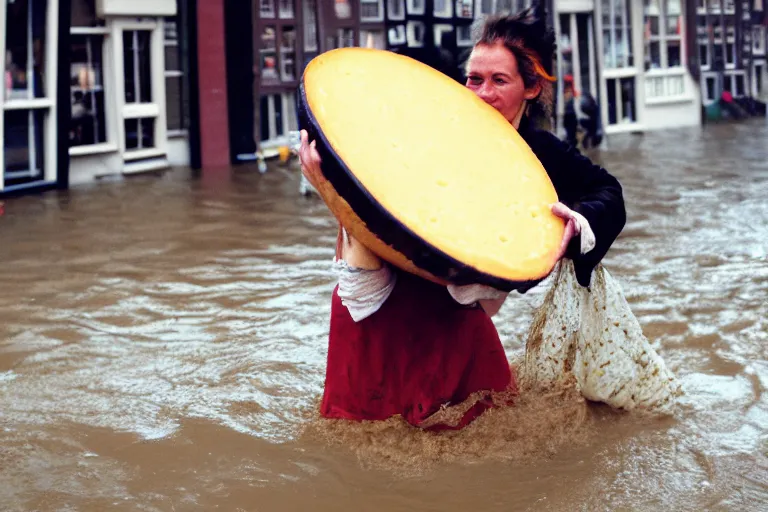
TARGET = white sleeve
x,y
471,293
363,291
588,240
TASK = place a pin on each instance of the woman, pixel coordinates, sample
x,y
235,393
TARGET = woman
x,y
400,344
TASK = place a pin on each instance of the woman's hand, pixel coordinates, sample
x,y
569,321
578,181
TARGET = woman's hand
x,y
572,228
310,160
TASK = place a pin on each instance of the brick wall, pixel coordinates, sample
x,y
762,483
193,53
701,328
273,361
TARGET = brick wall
x,y
214,126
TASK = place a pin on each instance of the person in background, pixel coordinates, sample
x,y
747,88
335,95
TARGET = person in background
x,y
402,345
581,112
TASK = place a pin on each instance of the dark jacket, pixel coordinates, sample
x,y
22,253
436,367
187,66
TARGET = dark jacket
x,y
583,187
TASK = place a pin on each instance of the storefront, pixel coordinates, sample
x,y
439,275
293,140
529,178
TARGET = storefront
x,y
30,151
128,92
631,56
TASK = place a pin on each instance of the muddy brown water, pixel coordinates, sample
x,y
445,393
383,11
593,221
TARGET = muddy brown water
x,y
163,342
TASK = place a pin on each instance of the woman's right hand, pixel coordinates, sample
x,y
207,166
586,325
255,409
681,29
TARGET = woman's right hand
x,y
310,160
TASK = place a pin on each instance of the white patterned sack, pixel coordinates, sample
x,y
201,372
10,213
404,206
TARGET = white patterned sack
x,y
593,335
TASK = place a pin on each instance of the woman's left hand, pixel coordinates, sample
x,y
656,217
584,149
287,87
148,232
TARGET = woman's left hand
x,y
572,228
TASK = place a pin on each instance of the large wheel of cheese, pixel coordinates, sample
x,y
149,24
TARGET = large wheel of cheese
x,y
425,174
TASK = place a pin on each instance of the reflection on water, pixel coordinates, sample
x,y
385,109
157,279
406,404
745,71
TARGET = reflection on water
x,y
163,342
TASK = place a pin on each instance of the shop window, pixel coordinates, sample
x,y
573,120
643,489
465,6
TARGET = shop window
x,y
25,49
621,100
371,10
137,66
617,34
139,134
663,34
23,145
88,124
396,9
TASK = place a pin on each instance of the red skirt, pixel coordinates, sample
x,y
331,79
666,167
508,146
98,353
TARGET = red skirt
x,y
419,351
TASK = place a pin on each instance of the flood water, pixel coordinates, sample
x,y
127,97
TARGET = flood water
x,y
163,343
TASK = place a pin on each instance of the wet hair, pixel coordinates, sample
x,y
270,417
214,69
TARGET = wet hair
x,y
532,42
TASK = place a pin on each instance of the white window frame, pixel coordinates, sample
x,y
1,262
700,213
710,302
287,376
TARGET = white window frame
x,y
107,77
663,37
464,42
763,65
47,104
714,76
441,28
446,12
731,75
309,47
623,69
399,32
380,17
412,8
364,36
290,123
410,29
458,8
758,40
705,43
479,12
173,73
155,109
401,4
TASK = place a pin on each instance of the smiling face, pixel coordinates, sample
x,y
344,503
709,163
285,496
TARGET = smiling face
x,y
493,74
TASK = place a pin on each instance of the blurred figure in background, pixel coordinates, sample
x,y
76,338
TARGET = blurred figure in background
x,y
582,112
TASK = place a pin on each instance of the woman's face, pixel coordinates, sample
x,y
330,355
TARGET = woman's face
x,y
493,75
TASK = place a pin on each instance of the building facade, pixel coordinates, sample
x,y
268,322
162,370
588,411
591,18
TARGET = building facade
x,y
731,44
93,88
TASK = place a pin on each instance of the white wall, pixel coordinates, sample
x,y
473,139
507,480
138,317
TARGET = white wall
x,y
178,151
85,169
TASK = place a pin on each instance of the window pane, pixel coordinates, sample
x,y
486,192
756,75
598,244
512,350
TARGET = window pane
x,y
137,66
739,85
23,144
84,14
343,9
139,133
88,123
310,25
673,53
703,54
286,8
174,102
268,54
25,48
654,55
267,8
172,58
288,54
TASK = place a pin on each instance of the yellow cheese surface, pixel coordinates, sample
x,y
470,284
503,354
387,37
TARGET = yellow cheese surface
x,y
444,163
